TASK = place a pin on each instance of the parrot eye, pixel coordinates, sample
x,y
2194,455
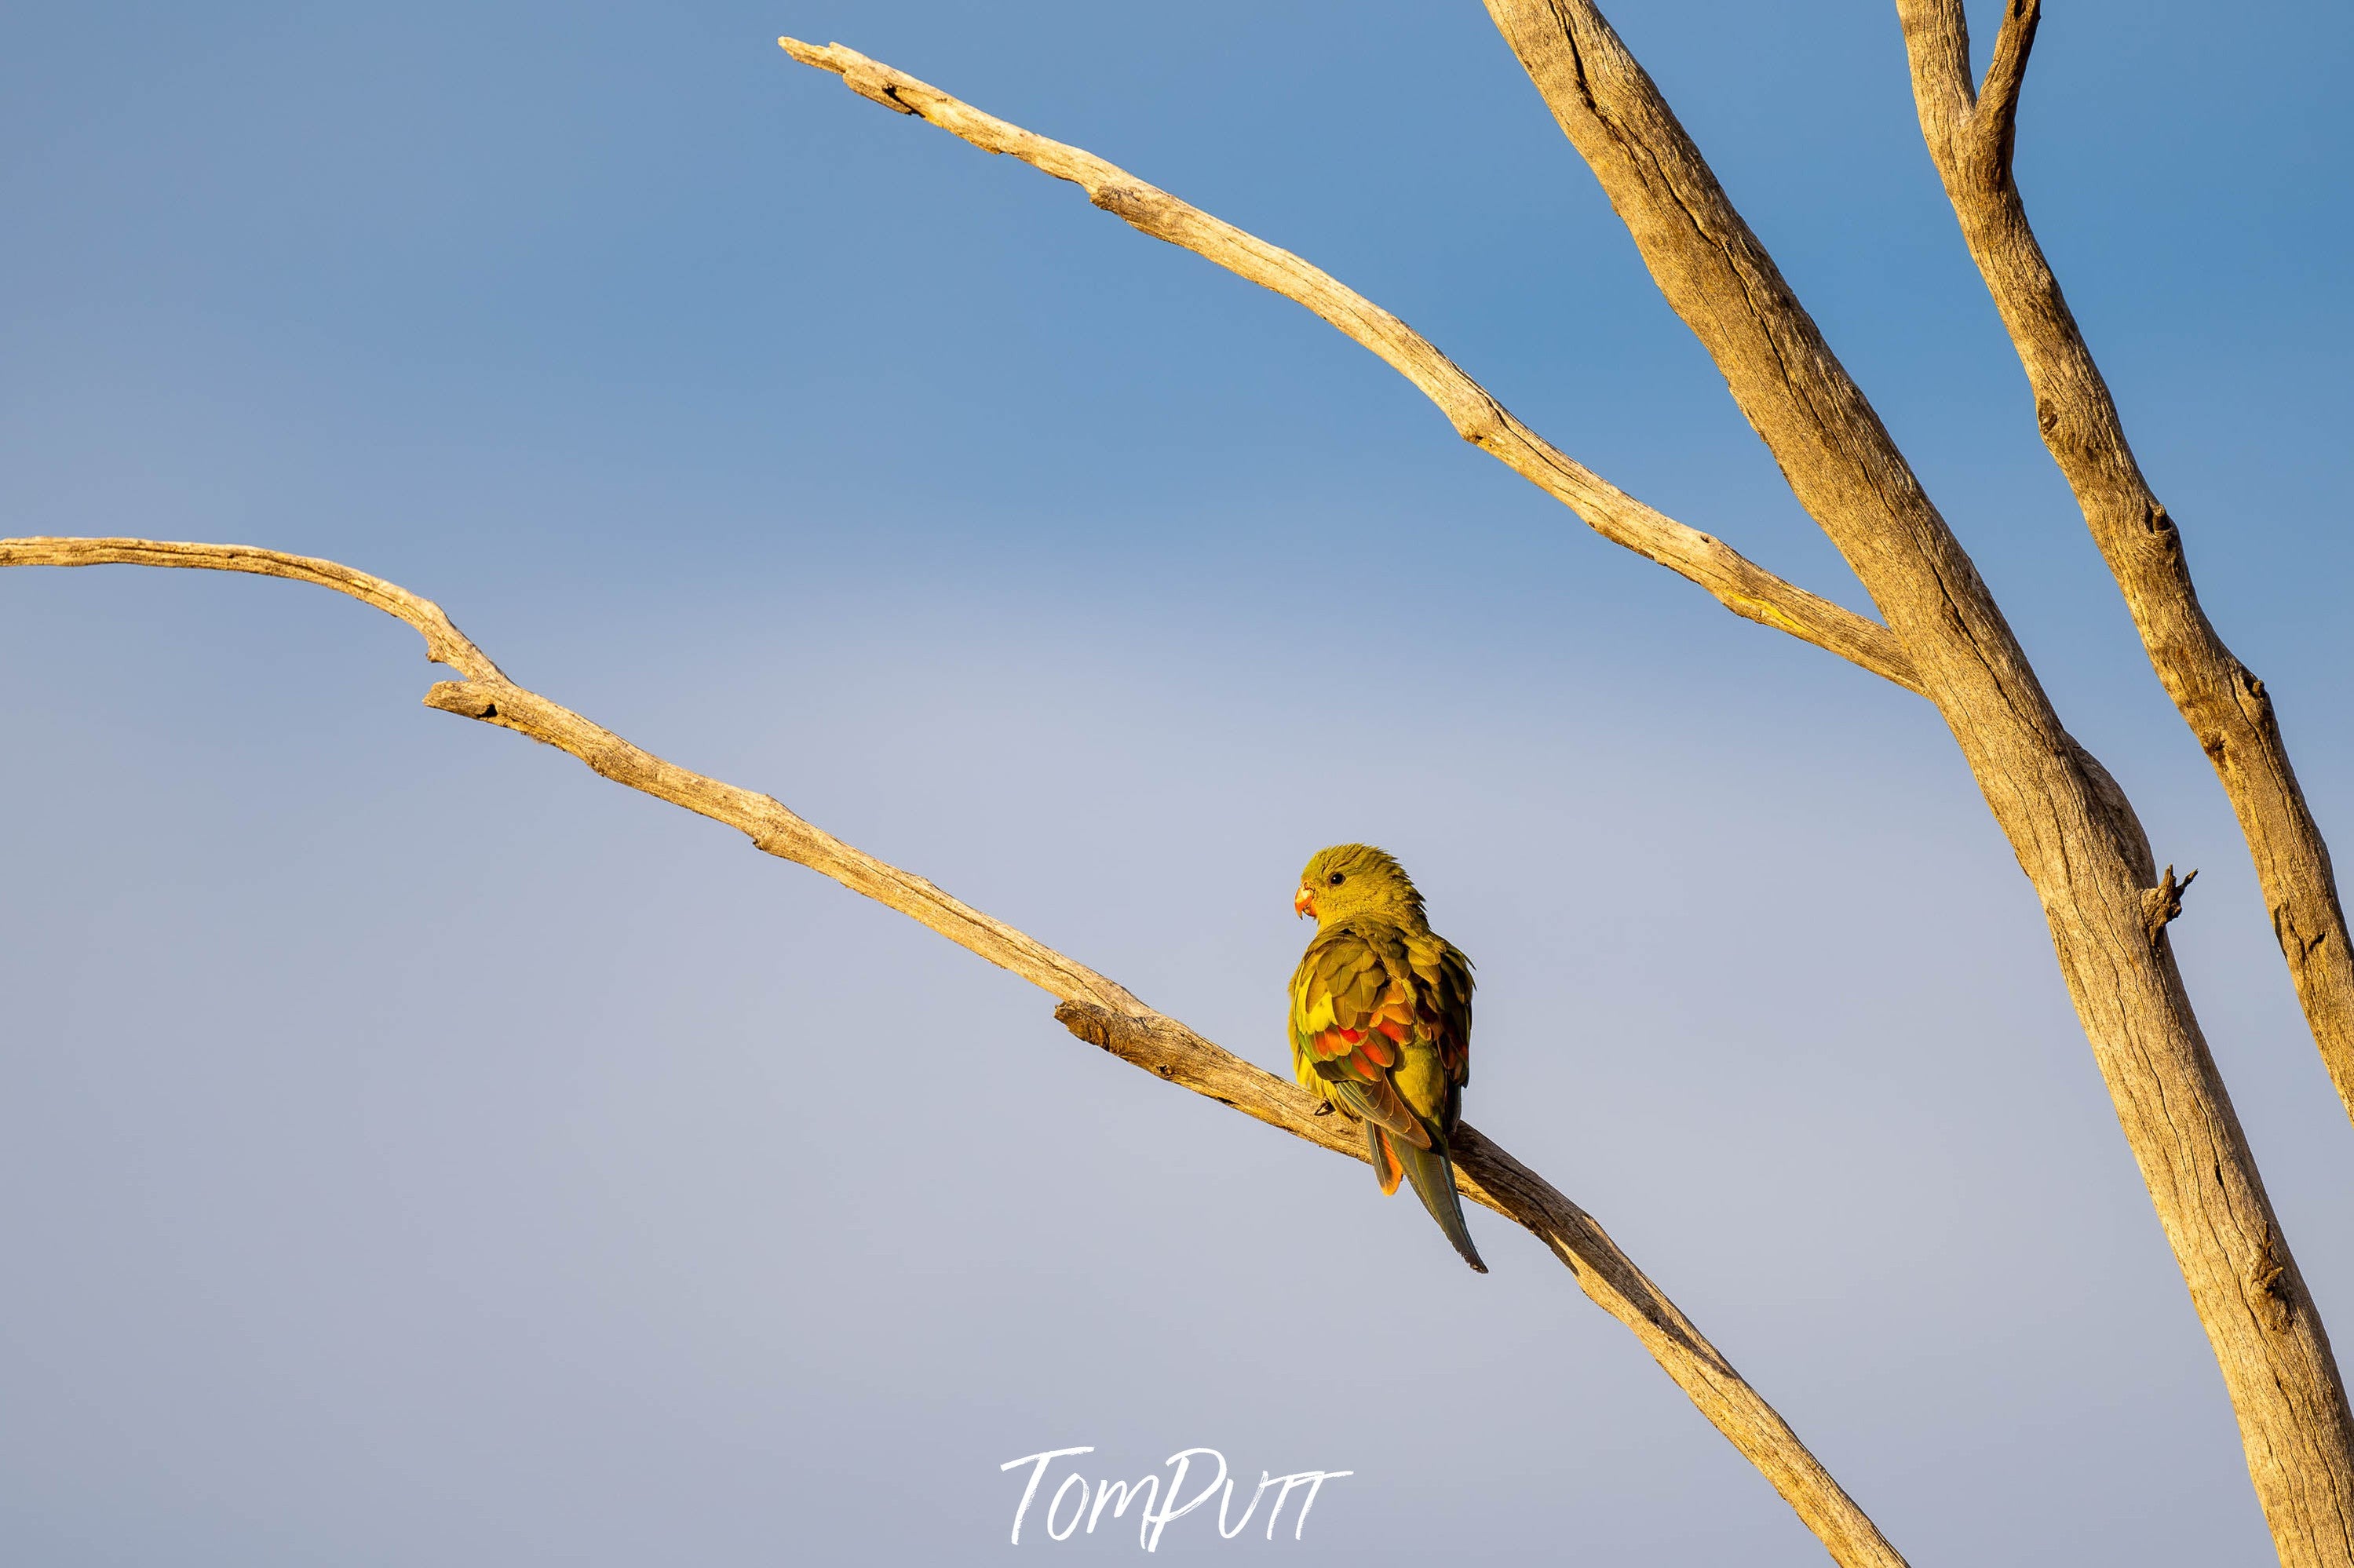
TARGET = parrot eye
x,y
1335,879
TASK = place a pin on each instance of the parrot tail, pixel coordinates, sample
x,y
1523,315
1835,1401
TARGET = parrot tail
x,y
1433,1175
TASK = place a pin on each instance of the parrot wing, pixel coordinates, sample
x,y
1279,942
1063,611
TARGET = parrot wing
x,y
1370,1001
1444,986
1352,1015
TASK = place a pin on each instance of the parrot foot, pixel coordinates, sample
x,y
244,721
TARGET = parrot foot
x,y
1324,1108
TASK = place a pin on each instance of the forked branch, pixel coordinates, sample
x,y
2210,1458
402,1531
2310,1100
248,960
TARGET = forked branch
x,y
1094,1008
1738,583
2220,698
2065,823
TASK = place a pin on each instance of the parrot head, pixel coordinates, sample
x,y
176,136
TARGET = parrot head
x,y
1346,879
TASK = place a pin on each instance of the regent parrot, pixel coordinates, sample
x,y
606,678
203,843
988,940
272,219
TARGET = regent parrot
x,y
1381,1022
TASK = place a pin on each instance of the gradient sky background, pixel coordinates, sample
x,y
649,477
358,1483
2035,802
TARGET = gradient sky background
x,y
416,1151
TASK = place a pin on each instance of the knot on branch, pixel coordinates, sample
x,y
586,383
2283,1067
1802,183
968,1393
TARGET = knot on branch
x,y
1106,1029
874,84
1153,1044
2296,946
1135,205
462,698
1091,1024
782,833
2248,692
2268,1281
2160,904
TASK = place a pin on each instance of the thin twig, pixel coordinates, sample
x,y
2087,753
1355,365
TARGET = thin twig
x,y
1094,1008
1742,586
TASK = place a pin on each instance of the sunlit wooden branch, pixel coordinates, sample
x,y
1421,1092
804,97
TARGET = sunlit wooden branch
x,y
1739,584
1970,138
1094,1008
2071,837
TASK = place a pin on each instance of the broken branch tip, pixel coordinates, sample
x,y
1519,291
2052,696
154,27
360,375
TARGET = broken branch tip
x,y
809,54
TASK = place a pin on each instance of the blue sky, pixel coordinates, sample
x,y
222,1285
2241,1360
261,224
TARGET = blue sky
x,y
415,1149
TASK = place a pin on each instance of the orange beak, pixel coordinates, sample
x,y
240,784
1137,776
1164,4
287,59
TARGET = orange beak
x,y
1303,902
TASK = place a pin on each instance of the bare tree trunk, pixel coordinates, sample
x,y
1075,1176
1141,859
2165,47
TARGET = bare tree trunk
x,y
1970,137
2077,843
1094,1008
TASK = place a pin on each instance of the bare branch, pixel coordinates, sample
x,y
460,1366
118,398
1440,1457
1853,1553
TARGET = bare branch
x,y
2274,1355
2220,698
1093,1008
1943,31
1739,584
1997,117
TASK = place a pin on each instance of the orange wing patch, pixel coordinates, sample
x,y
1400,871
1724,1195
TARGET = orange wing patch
x,y
1371,1046
1361,1054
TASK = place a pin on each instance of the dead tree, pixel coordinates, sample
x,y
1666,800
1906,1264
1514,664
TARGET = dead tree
x,y
1941,633
1941,636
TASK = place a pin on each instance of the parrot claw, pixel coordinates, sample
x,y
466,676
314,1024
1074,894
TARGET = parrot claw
x,y
1324,1108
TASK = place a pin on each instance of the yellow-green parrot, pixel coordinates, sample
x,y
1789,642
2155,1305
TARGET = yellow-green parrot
x,y
1381,1022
